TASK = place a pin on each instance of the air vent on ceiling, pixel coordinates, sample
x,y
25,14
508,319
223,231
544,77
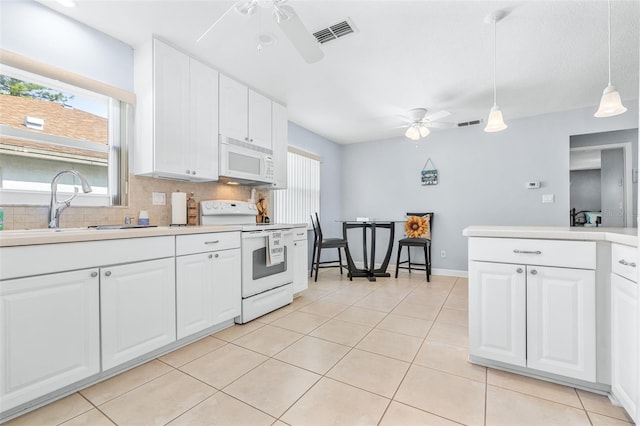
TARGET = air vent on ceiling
x,y
334,32
470,123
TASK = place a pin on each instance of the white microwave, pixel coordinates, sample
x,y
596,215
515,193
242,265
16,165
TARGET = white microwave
x,y
245,163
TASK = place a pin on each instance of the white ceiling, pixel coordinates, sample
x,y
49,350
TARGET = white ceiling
x,y
552,56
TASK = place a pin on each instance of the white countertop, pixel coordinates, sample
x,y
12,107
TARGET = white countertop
x,y
70,235
627,236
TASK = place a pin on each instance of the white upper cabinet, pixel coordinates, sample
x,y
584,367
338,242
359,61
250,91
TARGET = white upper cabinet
x,y
244,114
177,115
280,143
259,120
234,109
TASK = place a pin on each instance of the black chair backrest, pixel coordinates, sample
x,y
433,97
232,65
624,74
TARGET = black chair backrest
x,y
319,228
430,214
315,227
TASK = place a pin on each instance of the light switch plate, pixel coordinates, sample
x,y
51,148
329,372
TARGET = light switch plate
x,y
158,198
548,198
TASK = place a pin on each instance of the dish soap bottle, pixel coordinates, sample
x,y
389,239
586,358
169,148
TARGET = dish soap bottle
x,y
192,210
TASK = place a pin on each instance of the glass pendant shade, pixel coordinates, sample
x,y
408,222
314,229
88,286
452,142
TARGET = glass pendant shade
x,y
610,103
413,132
495,123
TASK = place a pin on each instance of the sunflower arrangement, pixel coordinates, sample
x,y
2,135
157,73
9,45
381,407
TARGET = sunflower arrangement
x,y
416,227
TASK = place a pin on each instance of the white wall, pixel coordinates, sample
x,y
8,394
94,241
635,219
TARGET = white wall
x,y
40,33
481,176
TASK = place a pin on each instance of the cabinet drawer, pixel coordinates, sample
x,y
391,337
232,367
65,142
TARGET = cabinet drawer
x,y
624,261
199,243
570,254
299,234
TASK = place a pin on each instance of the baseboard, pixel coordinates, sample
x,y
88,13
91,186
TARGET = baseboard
x,y
450,272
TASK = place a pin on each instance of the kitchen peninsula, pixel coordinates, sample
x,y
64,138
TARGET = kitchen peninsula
x,y
558,304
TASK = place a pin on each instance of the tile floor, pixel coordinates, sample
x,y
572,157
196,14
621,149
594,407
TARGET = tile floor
x,y
392,352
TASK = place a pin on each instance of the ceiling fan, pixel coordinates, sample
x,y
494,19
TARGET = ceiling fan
x,y
288,21
420,123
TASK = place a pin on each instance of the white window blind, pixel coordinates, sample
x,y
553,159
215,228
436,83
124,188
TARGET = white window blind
x,y
302,196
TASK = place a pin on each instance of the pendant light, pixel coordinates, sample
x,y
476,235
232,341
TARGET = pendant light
x,y
610,104
495,123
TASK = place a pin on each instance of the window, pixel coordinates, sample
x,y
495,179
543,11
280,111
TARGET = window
x,y
47,126
302,196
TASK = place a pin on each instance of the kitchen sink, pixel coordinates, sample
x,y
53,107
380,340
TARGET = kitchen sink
x,y
43,231
101,227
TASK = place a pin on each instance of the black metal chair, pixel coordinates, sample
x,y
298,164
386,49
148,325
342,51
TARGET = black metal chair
x,y
326,243
424,243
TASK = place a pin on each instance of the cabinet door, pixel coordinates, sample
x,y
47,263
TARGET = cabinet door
x,y
194,293
171,109
497,312
203,143
49,334
300,265
234,109
137,304
561,321
624,344
280,142
227,296
259,120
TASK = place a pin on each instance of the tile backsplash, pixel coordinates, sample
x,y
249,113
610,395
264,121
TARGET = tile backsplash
x,y
140,189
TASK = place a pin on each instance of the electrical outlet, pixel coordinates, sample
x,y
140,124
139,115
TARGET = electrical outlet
x,y
159,198
443,253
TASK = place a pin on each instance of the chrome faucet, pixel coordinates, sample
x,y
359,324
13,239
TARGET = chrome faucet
x,y
57,207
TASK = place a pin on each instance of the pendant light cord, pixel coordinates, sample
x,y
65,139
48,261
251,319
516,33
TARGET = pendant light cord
x,y
609,27
494,62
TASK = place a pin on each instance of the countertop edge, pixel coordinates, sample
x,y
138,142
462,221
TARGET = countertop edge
x,y
74,235
626,236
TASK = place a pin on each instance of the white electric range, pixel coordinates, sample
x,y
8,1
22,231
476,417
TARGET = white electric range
x,y
266,285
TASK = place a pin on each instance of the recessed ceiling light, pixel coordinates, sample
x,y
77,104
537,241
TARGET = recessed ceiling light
x,y
68,3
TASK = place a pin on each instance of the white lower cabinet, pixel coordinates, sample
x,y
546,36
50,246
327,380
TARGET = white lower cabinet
x,y
49,334
526,315
208,287
624,329
561,321
300,260
137,309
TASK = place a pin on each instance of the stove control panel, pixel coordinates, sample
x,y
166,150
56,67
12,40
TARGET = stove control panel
x,y
227,208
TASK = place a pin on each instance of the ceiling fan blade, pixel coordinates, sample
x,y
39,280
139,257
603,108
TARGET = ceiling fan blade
x,y
440,125
306,44
233,6
437,115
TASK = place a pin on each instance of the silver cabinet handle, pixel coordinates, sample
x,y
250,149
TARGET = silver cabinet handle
x,y
193,172
210,256
94,274
107,274
516,251
625,263
534,272
216,255
188,171
519,270
212,242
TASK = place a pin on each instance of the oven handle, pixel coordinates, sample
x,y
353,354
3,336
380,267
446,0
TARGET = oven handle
x,y
264,234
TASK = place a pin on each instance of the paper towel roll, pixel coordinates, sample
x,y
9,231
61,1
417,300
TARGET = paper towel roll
x,y
178,208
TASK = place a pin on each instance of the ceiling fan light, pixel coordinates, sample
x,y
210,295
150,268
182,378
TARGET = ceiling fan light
x,y
413,132
424,131
610,103
495,123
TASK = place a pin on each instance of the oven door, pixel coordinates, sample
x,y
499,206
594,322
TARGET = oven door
x,y
257,276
